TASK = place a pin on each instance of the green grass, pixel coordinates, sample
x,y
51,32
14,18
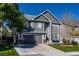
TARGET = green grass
x,y
7,50
74,48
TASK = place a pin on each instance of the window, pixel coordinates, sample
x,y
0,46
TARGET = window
x,y
54,27
39,25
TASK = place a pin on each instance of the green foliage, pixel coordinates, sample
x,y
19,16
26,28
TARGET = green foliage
x,y
11,12
74,48
6,34
2,14
7,50
18,23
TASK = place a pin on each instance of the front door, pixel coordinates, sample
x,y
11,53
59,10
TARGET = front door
x,y
55,37
55,33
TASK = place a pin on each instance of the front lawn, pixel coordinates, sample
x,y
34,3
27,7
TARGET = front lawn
x,y
64,48
7,50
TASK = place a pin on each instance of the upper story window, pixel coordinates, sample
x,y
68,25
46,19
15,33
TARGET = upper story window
x,y
39,25
36,25
54,27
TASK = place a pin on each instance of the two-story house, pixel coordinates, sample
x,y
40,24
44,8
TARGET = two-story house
x,y
43,28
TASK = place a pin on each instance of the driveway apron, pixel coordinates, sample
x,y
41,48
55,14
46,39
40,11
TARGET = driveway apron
x,y
37,50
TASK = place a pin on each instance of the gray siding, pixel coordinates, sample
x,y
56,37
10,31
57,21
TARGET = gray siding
x,y
38,38
41,18
31,39
51,17
34,25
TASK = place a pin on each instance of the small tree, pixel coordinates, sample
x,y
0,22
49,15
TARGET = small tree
x,y
11,12
67,19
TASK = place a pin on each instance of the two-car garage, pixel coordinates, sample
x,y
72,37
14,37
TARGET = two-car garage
x,y
31,38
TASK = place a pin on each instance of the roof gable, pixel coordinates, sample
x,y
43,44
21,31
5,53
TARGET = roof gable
x,y
29,17
41,18
50,16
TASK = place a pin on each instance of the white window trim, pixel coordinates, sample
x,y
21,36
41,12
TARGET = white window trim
x,y
39,25
43,36
32,24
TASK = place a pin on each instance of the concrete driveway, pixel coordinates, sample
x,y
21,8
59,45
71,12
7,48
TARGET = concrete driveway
x,y
37,50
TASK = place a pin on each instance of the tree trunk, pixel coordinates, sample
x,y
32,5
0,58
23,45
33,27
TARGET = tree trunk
x,y
14,38
14,35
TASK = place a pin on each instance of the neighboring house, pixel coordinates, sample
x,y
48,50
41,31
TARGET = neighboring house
x,y
4,32
43,28
69,30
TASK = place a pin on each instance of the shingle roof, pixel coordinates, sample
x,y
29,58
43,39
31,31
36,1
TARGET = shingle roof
x,y
41,18
74,23
46,14
51,17
29,17
33,18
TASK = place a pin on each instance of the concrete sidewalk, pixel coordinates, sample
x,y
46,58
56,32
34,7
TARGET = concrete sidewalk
x,y
38,50
72,53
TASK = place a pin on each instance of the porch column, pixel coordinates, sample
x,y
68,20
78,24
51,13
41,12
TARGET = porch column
x,y
50,39
59,34
19,37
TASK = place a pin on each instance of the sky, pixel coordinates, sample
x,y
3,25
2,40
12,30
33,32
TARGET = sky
x,y
58,9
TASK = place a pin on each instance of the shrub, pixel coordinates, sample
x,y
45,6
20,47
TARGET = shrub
x,y
74,43
66,42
